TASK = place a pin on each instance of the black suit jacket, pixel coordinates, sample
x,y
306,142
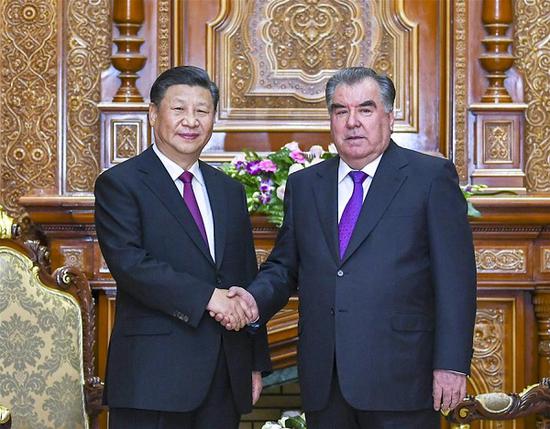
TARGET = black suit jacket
x,y
402,300
164,346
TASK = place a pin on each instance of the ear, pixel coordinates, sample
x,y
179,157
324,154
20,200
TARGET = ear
x,y
391,119
153,113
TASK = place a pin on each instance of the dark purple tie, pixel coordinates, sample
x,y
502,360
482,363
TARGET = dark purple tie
x,y
351,211
191,201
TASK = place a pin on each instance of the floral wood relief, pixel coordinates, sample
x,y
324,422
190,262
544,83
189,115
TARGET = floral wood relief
x,y
500,260
488,358
88,46
499,142
28,96
272,58
532,48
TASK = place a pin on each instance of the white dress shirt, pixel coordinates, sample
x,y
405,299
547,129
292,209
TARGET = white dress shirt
x,y
199,189
345,182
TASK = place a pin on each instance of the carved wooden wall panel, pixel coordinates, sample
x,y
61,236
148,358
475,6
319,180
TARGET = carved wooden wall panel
x,y
533,51
275,57
28,99
88,50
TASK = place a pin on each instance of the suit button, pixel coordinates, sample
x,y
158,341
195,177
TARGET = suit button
x,y
332,311
219,281
185,318
340,273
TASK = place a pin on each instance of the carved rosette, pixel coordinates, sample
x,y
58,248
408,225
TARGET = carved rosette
x,y
28,96
532,47
488,356
88,51
127,139
500,260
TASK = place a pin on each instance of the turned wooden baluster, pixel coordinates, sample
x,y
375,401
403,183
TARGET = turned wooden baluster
x,y
128,16
497,16
542,312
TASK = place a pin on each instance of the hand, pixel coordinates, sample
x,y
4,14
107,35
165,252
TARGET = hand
x,y
449,388
247,301
247,304
227,311
256,386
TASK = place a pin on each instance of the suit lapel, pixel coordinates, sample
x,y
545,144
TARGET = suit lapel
x,y
218,204
157,179
326,199
388,179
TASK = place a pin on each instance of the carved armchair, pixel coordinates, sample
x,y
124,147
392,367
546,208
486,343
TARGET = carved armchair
x,y
534,399
47,338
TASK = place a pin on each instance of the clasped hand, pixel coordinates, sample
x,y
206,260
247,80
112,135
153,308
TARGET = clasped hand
x,y
233,308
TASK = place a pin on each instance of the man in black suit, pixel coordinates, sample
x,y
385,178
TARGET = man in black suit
x,y
377,242
175,234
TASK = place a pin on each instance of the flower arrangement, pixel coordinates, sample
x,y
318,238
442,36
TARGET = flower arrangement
x,y
264,177
289,419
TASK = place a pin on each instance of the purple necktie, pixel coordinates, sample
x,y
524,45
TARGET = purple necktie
x,y
191,201
351,211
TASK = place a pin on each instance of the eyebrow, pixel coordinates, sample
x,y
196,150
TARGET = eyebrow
x,y
368,103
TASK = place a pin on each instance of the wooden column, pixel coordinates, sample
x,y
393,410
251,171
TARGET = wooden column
x,y
498,159
128,15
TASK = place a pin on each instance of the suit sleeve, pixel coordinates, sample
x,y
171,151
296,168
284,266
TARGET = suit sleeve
x,y
261,359
453,272
277,277
153,283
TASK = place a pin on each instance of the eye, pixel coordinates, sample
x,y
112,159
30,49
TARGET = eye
x,y
340,112
365,111
203,112
178,108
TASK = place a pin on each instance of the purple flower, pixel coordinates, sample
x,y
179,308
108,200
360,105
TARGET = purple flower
x,y
264,198
268,166
298,156
253,168
266,185
239,162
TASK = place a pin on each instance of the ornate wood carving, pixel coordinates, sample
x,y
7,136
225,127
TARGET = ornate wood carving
x,y
128,16
28,96
545,260
500,260
497,17
73,257
534,399
275,57
532,48
488,358
460,105
88,50
498,147
542,312
163,34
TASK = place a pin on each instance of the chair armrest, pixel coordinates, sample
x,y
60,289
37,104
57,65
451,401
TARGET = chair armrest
x,y
534,399
5,418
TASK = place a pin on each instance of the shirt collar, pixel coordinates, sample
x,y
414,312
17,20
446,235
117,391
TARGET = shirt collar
x,y
370,168
174,170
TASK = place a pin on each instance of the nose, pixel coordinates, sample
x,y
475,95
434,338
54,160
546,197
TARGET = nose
x,y
190,119
351,121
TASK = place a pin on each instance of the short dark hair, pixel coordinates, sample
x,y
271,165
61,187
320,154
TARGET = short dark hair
x,y
352,75
183,75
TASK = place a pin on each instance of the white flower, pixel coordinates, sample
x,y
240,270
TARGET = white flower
x,y
271,425
316,151
238,158
292,146
315,161
332,149
294,168
281,191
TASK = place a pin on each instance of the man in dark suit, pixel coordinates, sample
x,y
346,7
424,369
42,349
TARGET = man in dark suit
x,y
378,243
175,234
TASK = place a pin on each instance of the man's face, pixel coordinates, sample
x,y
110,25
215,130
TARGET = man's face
x,y
183,122
360,126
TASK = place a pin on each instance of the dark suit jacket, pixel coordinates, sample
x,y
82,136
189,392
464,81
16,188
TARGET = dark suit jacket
x,y
164,346
402,300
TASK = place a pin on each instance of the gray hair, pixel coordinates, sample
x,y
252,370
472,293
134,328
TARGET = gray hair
x,y
352,75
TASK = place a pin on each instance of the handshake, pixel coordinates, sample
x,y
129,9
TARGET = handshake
x,y
233,308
